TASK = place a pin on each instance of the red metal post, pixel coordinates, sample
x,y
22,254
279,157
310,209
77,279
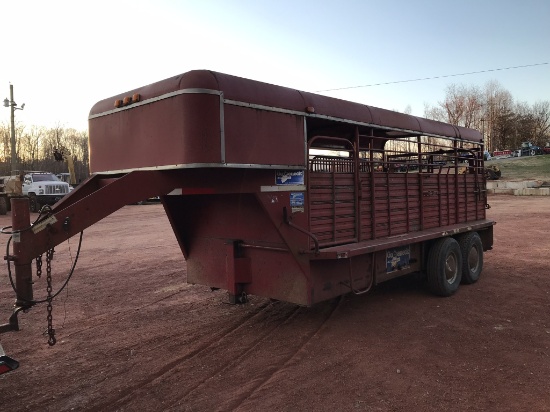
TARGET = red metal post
x,y
21,223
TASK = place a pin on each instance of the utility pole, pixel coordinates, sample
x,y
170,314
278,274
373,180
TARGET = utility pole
x,y
13,152
13,107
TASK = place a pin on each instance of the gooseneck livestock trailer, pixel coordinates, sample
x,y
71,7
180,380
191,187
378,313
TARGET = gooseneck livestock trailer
x,y
277,192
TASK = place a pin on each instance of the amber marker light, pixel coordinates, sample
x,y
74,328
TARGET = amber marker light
x,y
118,103
136,98
310,109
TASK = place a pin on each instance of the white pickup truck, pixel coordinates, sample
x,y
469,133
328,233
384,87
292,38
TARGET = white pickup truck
x,y
43,188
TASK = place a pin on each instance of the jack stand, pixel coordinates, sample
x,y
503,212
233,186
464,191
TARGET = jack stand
x,y
13,322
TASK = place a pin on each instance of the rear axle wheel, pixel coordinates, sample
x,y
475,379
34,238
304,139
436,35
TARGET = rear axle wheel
x,y
444,267
472,257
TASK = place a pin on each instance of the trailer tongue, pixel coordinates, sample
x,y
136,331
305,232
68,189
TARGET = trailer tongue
x,y
275,192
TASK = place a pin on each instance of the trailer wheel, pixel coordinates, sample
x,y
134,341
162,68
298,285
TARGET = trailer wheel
x,y
472,257
3,205
444,267
490,174
34,203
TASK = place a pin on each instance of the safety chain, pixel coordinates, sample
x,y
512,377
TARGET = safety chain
x,y
39,266
51,330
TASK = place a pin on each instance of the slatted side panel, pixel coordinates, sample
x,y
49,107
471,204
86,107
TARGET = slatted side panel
x,y
389,204
397,203
332,204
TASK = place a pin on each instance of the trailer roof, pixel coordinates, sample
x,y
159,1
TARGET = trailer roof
x,y
264,94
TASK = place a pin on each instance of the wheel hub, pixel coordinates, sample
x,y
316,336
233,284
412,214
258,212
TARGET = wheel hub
x,y
451,268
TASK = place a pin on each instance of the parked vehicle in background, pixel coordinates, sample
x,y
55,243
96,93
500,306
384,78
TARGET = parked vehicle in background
x,y
546,149
529,149
64,177
487,155
10,186
43,188
502,153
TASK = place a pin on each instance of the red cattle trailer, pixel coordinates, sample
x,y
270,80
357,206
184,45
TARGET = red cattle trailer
x,y
276,192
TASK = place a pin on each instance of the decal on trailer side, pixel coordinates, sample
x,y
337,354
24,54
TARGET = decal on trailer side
x,y
297,201
289,177
398,258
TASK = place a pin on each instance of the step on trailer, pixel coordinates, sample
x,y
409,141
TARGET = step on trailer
x,y
277,192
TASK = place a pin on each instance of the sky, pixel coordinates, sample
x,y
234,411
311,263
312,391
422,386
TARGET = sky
x,y
64,56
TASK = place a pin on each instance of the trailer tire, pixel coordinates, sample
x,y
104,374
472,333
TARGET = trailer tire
x,y
3,205
490,174
444,267
34,203
472,257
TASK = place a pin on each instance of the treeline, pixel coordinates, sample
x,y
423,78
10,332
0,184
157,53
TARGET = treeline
x,y
35,146
492,110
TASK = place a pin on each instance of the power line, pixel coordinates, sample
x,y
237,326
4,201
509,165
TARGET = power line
x,y
431,78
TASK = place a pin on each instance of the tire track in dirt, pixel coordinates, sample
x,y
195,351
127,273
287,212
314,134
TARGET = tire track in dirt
x,y
103,316
276,339
245,353
258,383
236,403
127,395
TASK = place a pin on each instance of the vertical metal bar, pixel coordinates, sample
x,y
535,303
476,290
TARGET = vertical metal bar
x,y
333,175
457,198
466,197
420,183
388,193
357,187
439,196
308,179
222,127
21,222
407,212
372,189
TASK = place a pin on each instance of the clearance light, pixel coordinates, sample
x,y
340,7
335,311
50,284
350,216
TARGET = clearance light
x,y
310,109
118,103
127,100
136,98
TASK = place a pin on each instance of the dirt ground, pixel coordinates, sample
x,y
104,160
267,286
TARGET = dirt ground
x,y
132,335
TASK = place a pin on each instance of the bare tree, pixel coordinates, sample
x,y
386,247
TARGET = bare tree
x,y
434,113
541,114
5,145
29,146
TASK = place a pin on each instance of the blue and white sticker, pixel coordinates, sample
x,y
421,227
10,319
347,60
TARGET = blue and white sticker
x,y
289,177
297,201
398,258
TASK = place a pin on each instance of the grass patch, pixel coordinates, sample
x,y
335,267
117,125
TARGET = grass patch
x,y
524,168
